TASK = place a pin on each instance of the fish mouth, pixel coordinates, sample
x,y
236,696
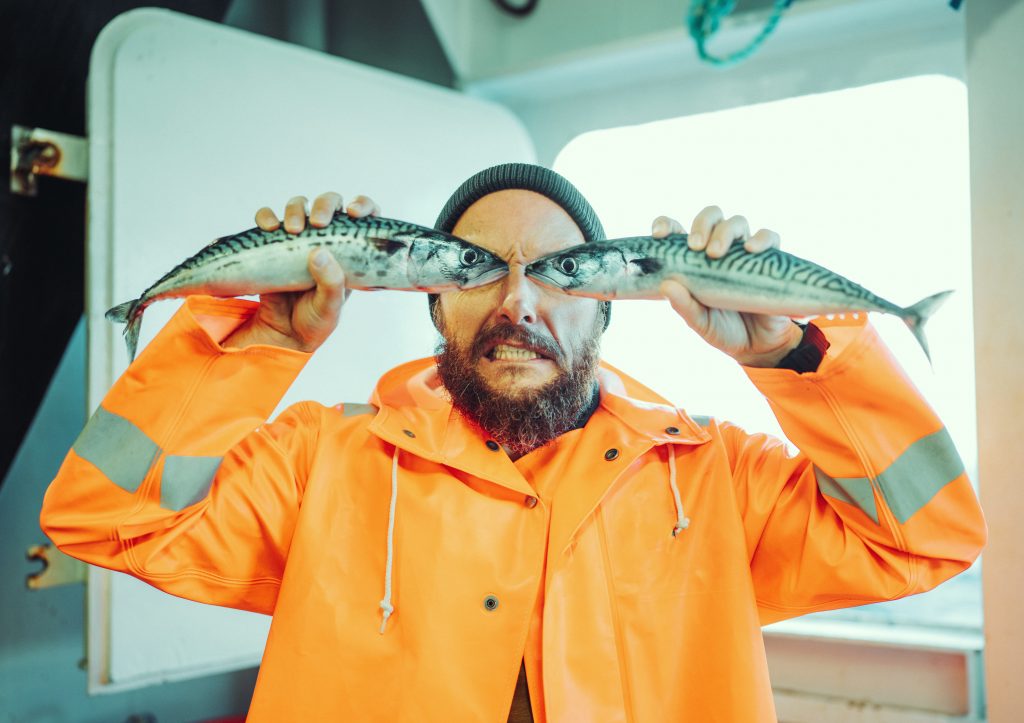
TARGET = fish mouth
x,y
486,277
550,282
544,279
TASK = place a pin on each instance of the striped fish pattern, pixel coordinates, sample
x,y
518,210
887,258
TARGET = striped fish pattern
x,y
768,282
374,252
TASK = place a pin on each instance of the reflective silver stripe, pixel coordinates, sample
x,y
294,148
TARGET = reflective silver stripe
x,y
119,449
350,409
124,453
928,465
701,420
853,490
186,480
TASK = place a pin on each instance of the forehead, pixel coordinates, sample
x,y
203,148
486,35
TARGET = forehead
x,y
518,225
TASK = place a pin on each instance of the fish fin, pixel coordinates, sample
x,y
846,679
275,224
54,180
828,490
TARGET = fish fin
x,y
120,313
648,265
129,312
917,315
386,245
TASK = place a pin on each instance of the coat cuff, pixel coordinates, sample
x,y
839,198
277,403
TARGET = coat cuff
x,y
185,364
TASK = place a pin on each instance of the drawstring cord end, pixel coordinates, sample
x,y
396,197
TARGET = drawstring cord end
x,y
682,521
388,608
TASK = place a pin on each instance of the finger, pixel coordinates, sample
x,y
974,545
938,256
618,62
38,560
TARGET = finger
x,y
725,233
330,286
376,209
663,226
703,223
761,241
693,312
361,206
323,208
267,220
295,214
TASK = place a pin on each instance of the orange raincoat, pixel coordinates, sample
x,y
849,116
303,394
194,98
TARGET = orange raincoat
x,y
410,567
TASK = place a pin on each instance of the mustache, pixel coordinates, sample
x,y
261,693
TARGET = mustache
x,y
507,331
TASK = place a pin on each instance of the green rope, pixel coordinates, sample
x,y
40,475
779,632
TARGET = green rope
x,y
705,16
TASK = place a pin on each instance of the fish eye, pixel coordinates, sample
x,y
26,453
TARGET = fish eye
x,y
469,256
568,265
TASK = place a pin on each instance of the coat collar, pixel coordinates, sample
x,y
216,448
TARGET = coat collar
x,y
416,416
646,412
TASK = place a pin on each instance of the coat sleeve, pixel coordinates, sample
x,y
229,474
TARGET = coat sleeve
x,y
177,479
876,505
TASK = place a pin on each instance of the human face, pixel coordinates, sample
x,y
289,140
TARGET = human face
x,y
518,226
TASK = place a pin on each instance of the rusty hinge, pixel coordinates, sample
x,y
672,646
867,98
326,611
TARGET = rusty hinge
x,y
59,569
39,152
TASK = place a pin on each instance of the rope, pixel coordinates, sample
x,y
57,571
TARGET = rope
x,y
705,17
385,604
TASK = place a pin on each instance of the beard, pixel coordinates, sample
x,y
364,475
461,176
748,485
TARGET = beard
x,y
525,420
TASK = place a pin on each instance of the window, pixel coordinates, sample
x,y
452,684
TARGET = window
x,y
872,182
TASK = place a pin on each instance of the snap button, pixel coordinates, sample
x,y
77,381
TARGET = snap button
x,y
409,433
490,602
611,454
672,430
530,501
492,445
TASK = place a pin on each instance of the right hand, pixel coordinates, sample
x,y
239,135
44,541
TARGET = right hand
x,y
302,320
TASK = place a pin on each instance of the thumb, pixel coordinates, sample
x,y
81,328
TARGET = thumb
x,y
330,285
693,312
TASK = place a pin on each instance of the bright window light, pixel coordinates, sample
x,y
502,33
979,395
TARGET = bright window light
x,y
872,182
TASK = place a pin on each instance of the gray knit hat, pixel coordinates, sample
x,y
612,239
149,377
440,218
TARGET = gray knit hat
x,y
527,177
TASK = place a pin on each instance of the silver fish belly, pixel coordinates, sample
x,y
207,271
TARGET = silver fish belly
x,y
374,252
769,282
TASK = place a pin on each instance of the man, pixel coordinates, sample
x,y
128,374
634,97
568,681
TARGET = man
x,y
511,531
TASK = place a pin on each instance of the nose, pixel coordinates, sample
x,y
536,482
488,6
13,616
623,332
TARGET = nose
x,y
519,303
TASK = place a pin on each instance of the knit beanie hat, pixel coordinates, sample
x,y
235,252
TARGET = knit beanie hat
x,y
527,177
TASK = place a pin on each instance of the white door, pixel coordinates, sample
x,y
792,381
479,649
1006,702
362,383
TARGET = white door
x,y
192,127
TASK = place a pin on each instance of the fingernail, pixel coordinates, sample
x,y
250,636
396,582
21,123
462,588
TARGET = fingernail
x,y
320,260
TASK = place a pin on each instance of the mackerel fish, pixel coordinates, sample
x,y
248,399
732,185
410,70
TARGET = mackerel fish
x,y
769,282
374,252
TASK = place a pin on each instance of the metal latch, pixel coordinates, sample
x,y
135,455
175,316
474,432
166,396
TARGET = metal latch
x,y
39,152
59,569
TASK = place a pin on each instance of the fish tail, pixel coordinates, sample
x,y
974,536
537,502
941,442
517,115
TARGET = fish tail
x,y
917,315
130,313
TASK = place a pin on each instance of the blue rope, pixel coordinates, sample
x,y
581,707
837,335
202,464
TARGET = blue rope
x,y
705,16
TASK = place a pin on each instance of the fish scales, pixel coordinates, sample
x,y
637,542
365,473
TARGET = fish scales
x,y
767,282
374,252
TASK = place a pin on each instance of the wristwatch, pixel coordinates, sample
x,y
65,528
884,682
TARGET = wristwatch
x,y
808,353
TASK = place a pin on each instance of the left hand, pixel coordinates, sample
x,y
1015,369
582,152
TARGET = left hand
x,y
756,340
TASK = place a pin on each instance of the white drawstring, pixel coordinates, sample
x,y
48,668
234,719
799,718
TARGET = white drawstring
x,y
385,604
682,522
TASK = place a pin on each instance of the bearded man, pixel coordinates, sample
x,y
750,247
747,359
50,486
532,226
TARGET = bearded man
x,y
553,540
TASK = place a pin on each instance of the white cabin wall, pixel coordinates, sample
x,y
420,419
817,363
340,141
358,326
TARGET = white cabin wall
x,y
995,60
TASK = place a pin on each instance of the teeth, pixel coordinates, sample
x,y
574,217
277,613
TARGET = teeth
x,y
510,353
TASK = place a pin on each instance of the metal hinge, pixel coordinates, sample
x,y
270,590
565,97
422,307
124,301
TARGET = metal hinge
x,y
59,569
39,152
